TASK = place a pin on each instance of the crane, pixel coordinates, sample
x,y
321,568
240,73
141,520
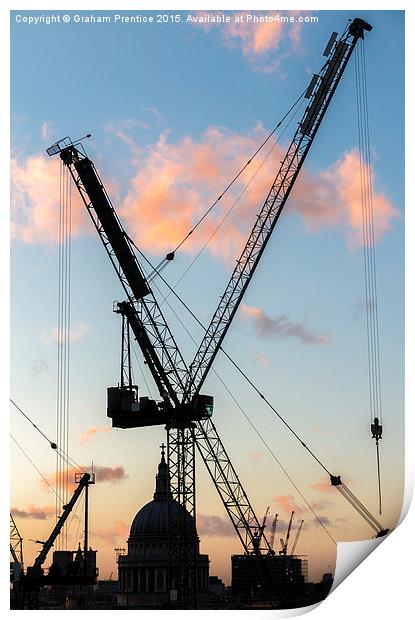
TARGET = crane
x,y
260,533
297,536
34,577
284,543
273,528
183,409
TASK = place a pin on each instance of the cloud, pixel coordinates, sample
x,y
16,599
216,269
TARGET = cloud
x,y
77,332
281,327
333,198
256,456
324,485
120,530
287,503
264,44
34,512
110,474
35,201
46,130
316,429
175,182
113,475
39,367
90,433
214,525
322,504
262,360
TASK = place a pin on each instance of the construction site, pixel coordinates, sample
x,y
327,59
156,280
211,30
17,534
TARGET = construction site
x,y
163,386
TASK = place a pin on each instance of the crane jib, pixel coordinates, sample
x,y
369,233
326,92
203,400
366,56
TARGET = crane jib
x,y
107,217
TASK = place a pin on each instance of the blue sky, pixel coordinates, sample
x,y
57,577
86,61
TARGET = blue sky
x,y
128,85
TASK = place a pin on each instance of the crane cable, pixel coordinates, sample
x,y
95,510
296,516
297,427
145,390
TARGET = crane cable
x,y
63,341
170,256
369,254
64,455
334,480
45,480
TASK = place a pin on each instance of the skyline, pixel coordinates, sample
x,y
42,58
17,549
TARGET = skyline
x,y
309,335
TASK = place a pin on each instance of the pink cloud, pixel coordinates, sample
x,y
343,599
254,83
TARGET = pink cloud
x,y
333,198
324,485
262,360
287,503
175,182
103,473
256,456
35,201
119,530
90,433
261,42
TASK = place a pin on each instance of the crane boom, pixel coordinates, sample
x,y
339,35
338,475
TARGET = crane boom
x,y
297,536
273,528
37,566
229,487
284,543
320,93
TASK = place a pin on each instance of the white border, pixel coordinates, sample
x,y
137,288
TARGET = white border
x,y
382,585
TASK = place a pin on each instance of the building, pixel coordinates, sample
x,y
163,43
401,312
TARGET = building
x,y
284,574
143,573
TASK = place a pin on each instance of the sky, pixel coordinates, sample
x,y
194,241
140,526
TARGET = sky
x,y
175,110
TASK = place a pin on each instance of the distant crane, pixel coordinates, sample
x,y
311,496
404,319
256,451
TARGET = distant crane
x,y
272,536
34,578
284,543
297,536
183,410
264,522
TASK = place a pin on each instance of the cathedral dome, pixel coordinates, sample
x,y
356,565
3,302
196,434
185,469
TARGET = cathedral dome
x,y
153,519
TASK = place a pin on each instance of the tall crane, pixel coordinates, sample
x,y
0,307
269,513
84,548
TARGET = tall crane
x,y
273,528
183,409
284,543
297,536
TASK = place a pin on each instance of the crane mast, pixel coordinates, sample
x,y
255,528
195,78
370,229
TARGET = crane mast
x,y
183,410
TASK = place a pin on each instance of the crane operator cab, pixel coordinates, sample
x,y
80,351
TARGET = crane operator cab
x,y
127,410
